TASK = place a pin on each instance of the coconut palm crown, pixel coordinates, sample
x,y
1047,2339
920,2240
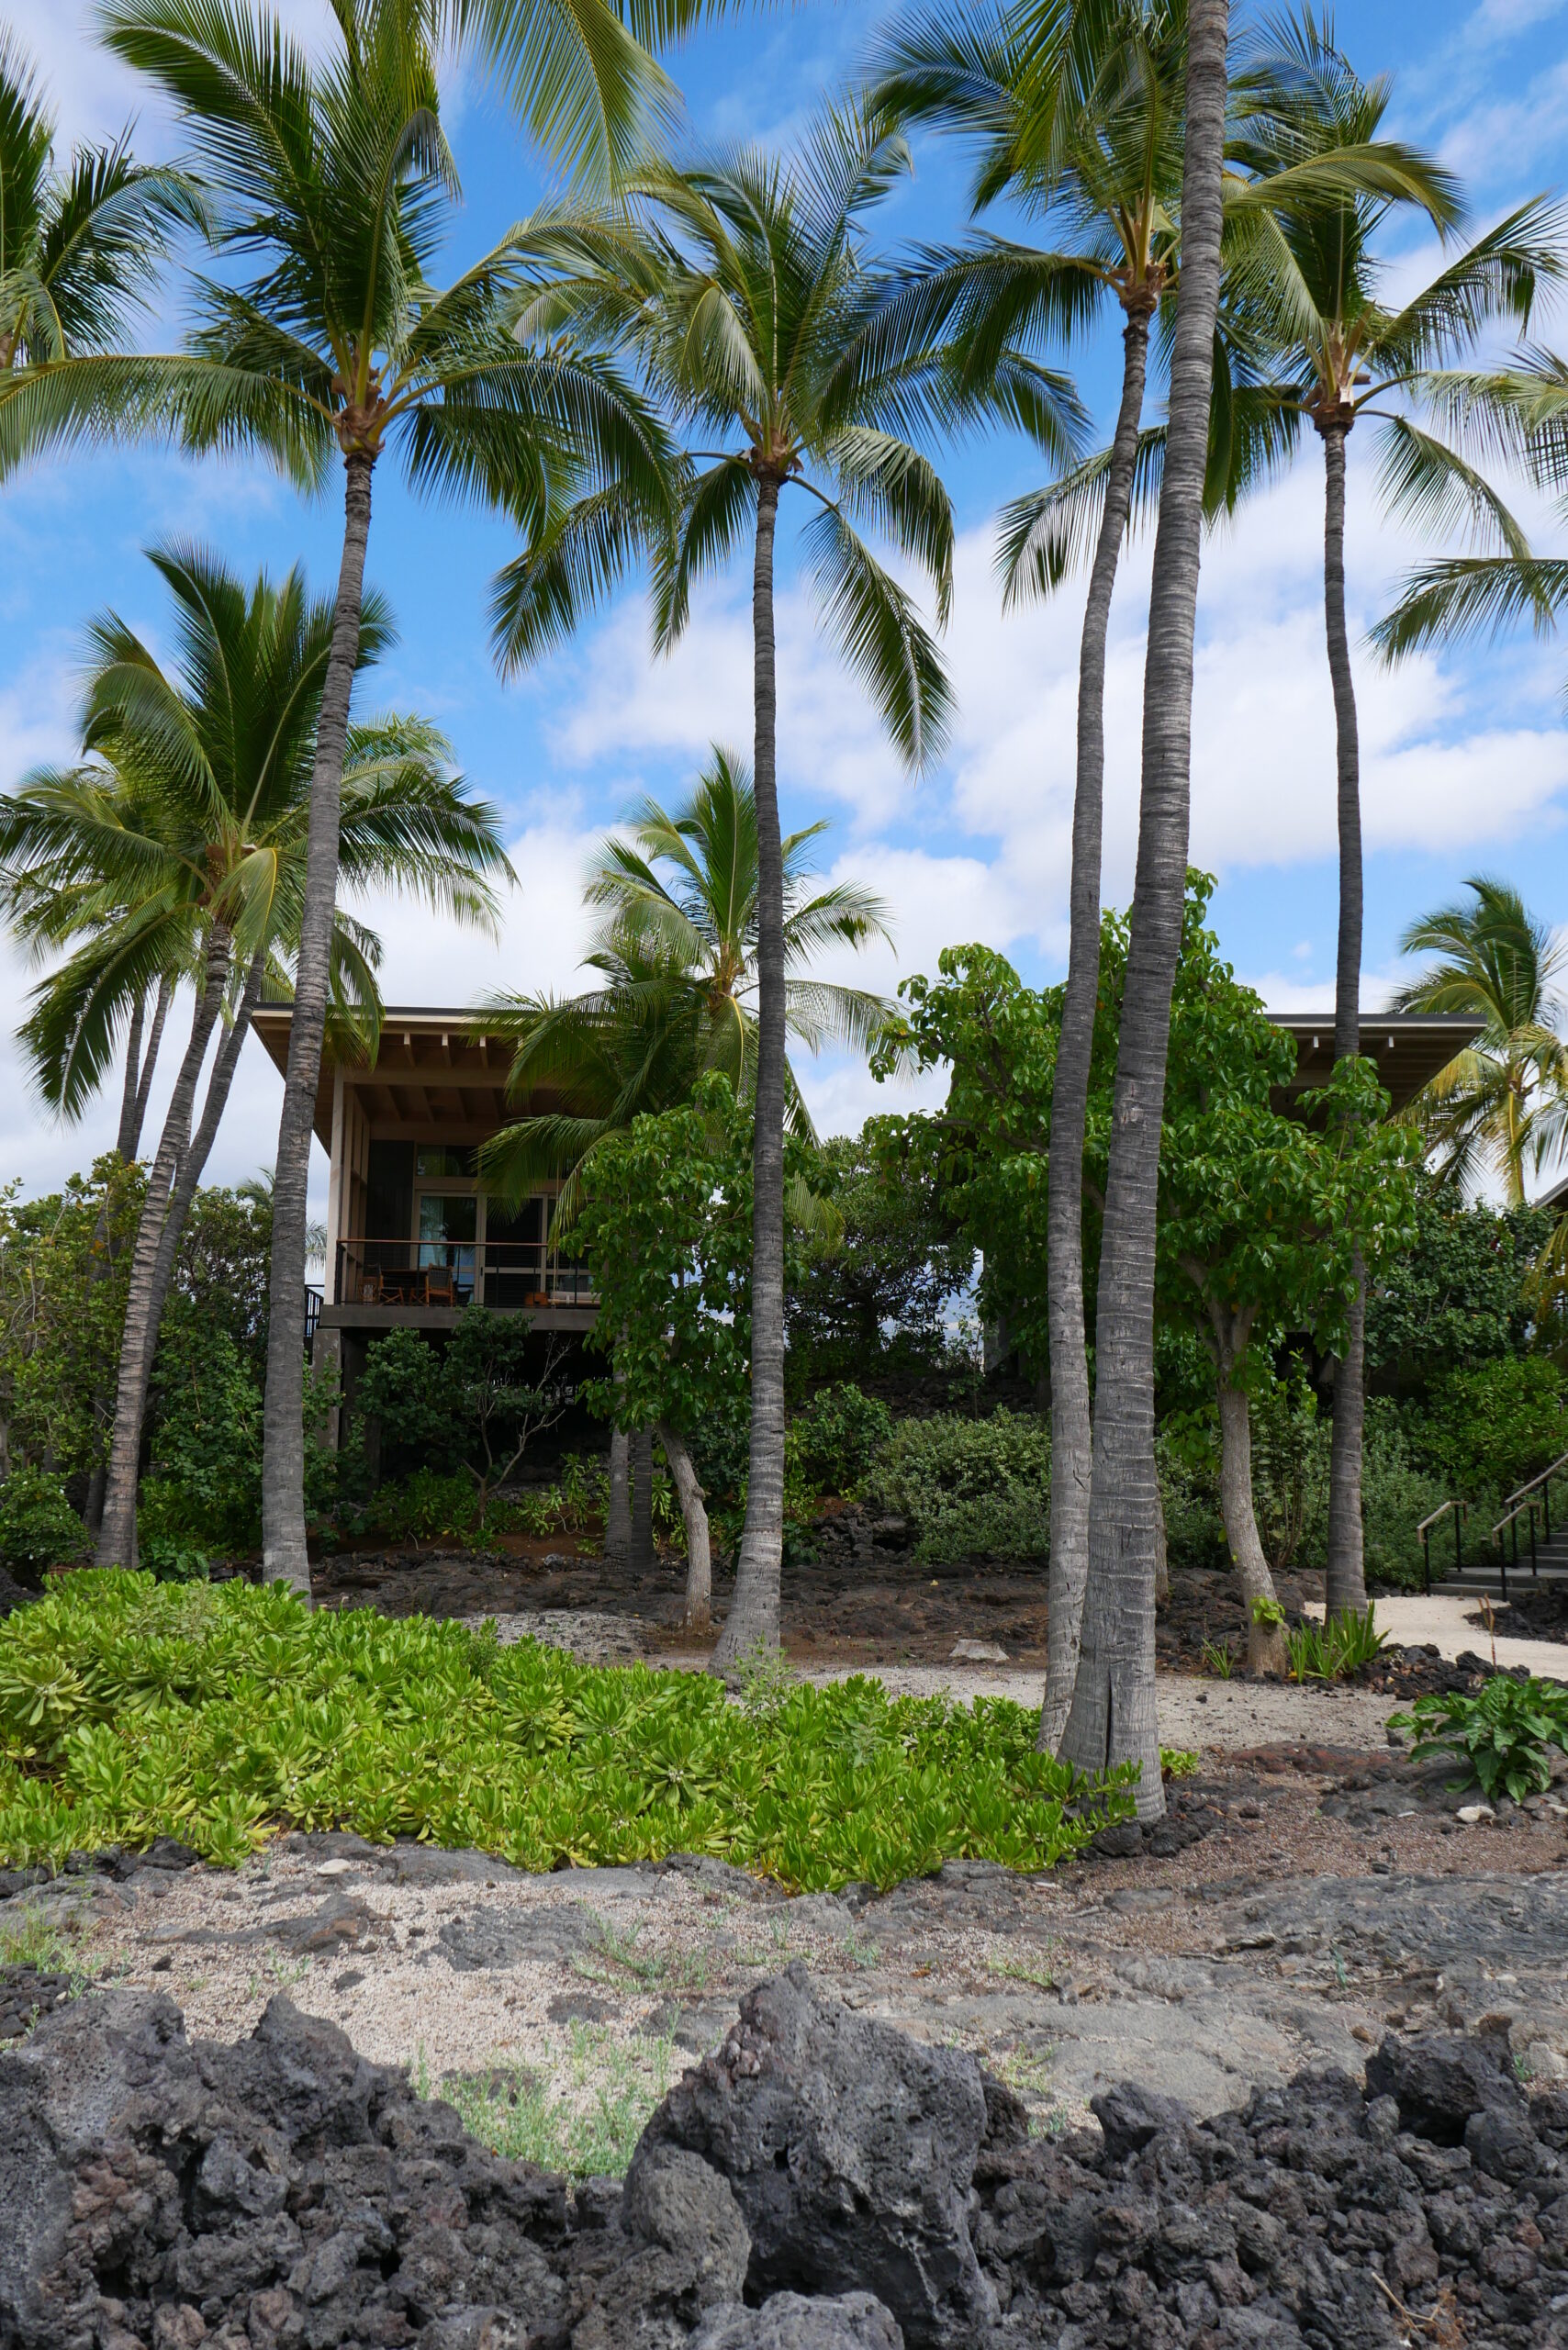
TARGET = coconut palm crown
x,y
677,952
1500,1107
80,247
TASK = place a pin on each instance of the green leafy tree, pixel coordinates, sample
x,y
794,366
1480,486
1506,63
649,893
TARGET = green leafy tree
x,y
985,1156
666,1221
64,1261
1462,1295
472,1405
1263,1217
182,845
871,1295
744,289
38,1529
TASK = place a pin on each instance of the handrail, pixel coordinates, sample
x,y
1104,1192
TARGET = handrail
x,y
1460,1511
1539,1478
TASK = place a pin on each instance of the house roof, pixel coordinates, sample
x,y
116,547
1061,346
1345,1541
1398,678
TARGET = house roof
x,y
1408,1047
435,1065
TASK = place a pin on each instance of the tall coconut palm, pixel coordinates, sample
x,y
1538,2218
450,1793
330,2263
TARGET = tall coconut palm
x,y
179,847
1113,1716
676,950
80,247
1076,113
1500,1107
743,287
1308,290
333,172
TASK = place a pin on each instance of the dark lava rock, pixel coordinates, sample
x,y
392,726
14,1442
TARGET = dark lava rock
x,y
790,2322
1129,2116
1439,2081
27,1993
850,2149
282,2194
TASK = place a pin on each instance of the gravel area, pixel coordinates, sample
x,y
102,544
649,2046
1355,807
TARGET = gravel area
x,y
1211,1717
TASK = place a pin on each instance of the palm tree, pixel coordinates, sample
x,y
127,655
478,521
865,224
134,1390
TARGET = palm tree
x,y
336,175
1519,412
79,248
742,286
678,951
677,958
1308,292
179,848
1113,1716
1077,116
1501,1105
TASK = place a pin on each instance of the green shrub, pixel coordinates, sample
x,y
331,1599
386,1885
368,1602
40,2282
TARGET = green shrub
x,y
1186,1459
432,1505
170,1557
1397,1495
1502,1737
38,1529
969,1488
203,1494
219,1712
404,1388
1493,1426
838,1435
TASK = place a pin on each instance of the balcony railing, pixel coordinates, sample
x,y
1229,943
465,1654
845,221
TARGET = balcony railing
x,y
518,1274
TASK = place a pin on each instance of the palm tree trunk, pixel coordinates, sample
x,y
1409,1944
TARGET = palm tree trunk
x,y
1113,1716
1265,1642
125,1142
618,1518
116,1532
285,1557
1071,1425
642,1482
1345,1582
138,1067
195,1161
752,1619
694,1517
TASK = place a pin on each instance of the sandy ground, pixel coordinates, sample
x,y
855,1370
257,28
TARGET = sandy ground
x,y
1412,1620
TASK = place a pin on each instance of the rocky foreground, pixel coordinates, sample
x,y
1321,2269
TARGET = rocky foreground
x,y
820,2182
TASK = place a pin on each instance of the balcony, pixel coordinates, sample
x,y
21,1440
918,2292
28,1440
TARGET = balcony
x,y
387,1281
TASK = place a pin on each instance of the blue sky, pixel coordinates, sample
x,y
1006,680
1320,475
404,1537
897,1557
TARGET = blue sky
x,y
1466,757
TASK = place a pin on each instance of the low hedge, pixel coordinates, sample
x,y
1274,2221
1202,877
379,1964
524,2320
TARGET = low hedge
x,y
218,1713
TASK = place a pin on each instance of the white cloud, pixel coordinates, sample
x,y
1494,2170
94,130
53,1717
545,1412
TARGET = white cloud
x,y
982,849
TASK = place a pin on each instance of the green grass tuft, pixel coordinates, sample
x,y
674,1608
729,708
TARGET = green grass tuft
x,y
589,2126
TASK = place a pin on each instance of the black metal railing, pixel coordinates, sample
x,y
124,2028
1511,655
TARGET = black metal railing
x,y
509,1274
312,1312
1534,1495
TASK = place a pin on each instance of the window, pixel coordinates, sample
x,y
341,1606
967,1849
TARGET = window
x,y
434,1160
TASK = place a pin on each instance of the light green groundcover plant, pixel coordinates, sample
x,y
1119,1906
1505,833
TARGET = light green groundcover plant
x,y
218,1713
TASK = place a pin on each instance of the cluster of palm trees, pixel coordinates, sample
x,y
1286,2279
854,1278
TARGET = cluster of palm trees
x,y
643,379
